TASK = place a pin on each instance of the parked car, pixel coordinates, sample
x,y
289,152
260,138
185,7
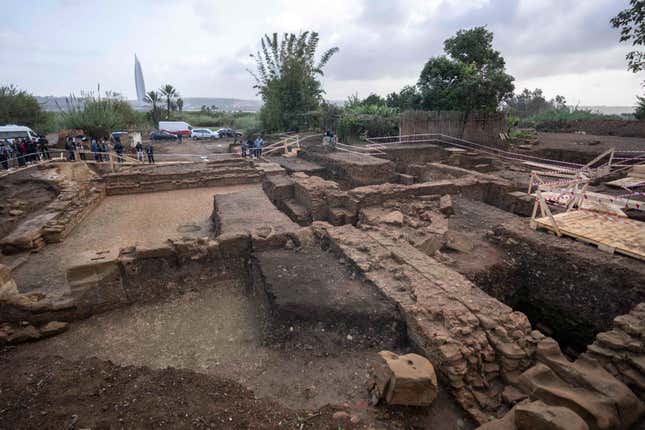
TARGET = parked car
x,y
228,132
175,127
13,131
204,133
118,134
162,135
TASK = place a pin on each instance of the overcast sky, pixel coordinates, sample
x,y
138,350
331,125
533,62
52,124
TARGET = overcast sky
x,y
202,47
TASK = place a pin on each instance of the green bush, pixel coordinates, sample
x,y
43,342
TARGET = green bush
x,y
98,117
559,118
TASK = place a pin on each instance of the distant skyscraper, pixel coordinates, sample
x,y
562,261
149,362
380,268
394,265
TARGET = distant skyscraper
x,y
138,81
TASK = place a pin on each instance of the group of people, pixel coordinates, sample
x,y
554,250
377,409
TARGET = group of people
x,y
252,147
19,152
101,149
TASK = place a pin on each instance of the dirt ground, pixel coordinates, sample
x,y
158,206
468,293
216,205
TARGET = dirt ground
x,y
21,197
191,150
122,221
215,332
46,394
589,142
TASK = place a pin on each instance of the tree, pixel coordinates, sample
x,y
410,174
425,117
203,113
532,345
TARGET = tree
x,y
170,93
408,99
99,116
470,78
180,104
640,108
287,79
20,107
631,23
154,99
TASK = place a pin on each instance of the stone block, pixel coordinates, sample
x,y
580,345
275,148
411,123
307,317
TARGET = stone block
x,y
540,416
403,380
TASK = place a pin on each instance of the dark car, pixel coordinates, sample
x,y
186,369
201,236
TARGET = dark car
x,y
118,135
162,135
228,132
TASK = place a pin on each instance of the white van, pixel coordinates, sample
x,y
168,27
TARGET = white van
x,y
12,131
175,127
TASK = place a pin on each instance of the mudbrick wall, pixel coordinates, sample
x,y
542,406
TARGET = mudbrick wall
x,y
145,179
477,127
574,290
354,170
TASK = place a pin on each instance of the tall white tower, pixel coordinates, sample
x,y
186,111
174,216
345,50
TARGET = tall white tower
x,y
138,81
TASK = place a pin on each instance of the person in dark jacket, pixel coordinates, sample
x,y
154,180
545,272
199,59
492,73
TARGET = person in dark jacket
x,y
70,148
118,148
150,151
4,155
139,149
43,144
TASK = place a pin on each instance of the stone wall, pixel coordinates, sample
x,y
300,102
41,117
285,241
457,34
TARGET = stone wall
x,y
477,343
76,199
145,179
109,279
477,127
620,350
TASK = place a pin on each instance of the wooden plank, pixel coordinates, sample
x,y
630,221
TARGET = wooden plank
x,y
548,166
628,182
610,234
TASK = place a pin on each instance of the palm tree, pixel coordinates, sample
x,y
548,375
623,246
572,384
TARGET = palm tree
x,y
153,98
180,104
170,93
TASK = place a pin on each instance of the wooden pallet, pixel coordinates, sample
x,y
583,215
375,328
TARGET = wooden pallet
x,y
609,234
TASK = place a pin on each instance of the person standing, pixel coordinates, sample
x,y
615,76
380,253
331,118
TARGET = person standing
x,y
69,147
4,155
150,151
258,147
103,151
243,148
43,145
139,148
118,148
94,147
250,143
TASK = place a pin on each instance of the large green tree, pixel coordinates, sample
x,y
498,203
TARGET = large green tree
x,y
287,78
20,107
470,77
631,23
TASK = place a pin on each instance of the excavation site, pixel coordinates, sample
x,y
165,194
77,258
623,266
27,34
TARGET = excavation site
x,y
418,281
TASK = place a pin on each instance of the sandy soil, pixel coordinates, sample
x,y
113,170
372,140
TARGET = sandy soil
x,y
122,221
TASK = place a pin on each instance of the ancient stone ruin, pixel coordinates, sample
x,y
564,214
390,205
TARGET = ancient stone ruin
x,y
404,287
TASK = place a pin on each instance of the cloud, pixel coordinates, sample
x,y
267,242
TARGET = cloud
x,y
202,46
